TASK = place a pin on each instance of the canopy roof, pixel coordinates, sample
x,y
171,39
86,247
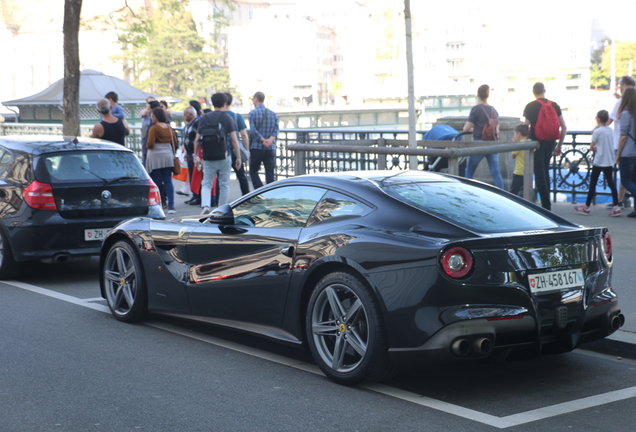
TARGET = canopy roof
x,y
93,86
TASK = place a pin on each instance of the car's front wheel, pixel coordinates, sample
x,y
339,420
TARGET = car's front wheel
x,y
124,283
345,331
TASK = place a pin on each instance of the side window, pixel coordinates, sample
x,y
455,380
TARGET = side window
x,y
336,206
6,161
288,206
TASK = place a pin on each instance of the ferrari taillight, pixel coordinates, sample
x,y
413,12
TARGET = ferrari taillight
x,y
457,262
607,246
154,197
40,196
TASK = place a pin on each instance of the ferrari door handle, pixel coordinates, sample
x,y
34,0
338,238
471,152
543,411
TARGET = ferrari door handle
x,y
288,251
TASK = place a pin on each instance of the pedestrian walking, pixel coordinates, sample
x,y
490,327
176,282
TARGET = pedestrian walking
x,y
479,122
243,145
263,135
161,146
115,109
626,153
212,139
547,127
604,156
625,82
110,128
146,123
189,135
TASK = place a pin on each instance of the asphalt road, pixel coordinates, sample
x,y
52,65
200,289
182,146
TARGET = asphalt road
x,y
67,365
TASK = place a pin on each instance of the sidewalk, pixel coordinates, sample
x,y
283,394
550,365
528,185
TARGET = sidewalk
x,y
623,232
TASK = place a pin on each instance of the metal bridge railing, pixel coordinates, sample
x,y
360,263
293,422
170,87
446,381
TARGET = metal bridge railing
x,y
570,172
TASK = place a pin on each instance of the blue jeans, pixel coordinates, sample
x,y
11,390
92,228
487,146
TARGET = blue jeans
x,y
163,179
268,158
493,165
220,169
628,173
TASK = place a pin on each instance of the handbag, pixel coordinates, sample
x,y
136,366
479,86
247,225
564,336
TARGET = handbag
x,y
176,169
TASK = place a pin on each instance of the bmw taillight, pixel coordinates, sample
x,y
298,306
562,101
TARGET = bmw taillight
x,y
154,197
40,196
457,262
607,246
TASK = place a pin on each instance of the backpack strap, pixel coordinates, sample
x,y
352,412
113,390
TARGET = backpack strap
x,y
491,111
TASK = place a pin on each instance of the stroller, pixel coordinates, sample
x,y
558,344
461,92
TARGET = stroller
x,y
444,133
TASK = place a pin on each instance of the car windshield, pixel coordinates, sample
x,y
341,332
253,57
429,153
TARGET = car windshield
x,y
468,206
89,166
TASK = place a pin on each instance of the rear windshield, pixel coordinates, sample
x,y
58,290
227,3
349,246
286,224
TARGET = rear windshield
x,y
468,206
89,166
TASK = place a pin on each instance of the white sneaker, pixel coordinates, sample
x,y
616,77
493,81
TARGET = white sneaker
x,y
206,210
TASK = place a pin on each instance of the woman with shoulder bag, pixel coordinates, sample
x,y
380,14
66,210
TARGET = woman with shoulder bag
x,y
479,116
160,159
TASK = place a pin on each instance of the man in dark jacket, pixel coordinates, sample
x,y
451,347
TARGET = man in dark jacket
x,y
189,134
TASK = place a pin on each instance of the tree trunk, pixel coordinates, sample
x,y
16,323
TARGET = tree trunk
x,y
70,114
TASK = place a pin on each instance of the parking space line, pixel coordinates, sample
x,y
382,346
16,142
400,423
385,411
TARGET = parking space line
x,y
498,422
59,296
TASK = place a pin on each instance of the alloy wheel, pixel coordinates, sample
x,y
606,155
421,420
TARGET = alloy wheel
x,y
340,328
120,280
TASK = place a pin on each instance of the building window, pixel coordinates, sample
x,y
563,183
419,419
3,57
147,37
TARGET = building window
x,y
572,88
573,76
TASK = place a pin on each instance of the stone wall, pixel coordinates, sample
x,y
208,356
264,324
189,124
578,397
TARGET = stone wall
x,y
506,162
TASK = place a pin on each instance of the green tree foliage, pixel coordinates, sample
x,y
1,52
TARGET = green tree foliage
x,y
163,53
601,68
625,51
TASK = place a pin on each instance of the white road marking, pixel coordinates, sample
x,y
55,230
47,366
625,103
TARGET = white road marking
x,y
498,422
59,296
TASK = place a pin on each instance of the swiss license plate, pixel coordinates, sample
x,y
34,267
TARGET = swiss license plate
x,y
96,234
556,280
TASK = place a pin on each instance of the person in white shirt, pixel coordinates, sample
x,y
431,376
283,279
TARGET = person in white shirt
x,y
604,159
625,82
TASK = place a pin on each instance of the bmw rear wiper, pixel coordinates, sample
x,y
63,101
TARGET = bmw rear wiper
x,y
101,178
121,178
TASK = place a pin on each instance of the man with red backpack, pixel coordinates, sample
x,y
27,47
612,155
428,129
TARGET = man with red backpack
x,y
547,127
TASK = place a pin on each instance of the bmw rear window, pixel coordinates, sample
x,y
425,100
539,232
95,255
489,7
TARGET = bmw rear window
x,y
89,166
468,206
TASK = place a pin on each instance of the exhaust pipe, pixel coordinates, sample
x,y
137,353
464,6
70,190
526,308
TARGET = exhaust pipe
x,y
60,258
616,322
482,346
460,347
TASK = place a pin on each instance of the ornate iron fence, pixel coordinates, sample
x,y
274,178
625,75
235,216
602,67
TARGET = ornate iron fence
x,y
570,172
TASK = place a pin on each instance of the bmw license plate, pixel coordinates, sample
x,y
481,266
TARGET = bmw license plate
x,y
556,280
96,234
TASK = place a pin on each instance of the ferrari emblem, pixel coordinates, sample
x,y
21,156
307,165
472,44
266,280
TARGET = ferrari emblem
x,y
182,232
342,328
123,281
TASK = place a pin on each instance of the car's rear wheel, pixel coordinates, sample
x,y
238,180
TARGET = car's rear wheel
x,y
345,331
124,283
9,268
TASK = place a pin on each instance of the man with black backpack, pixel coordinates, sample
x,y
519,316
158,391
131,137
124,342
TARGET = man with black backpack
x,y
212,134
547,126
